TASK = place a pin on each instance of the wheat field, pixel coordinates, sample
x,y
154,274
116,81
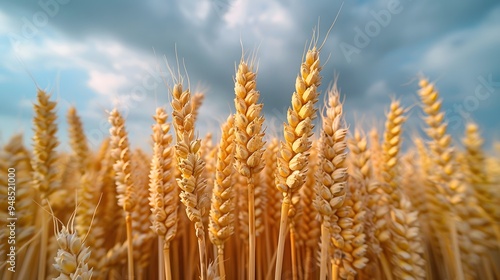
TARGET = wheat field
x,y
324,200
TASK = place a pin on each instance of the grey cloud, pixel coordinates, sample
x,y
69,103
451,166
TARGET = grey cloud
x,y
210,49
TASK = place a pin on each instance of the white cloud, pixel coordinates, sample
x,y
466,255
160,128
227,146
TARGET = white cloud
x,y
251,13
106,83
111,67
236,14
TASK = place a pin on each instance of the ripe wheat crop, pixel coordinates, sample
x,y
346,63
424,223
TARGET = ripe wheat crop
x,y
327,200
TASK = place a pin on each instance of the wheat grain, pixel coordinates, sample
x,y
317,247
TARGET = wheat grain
x,y
78,140
44,162
72,256
360,173
248,142
332,178
120,152
191,166
294,152
163,195
405,246
309,228
221,225
456,197
196,102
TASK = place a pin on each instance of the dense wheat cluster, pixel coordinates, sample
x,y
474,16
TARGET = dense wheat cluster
x,y
327,200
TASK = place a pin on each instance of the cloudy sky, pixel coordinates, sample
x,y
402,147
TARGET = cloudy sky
x,y
99,54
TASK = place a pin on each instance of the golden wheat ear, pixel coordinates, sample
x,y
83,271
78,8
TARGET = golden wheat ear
x,y
191,166
475,169
163,194
294,151
221,223
78,140
45,163
403,224
359,178
120,152
249,143
331,182
460,210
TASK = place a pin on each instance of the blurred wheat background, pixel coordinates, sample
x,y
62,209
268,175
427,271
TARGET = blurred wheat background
x,y
212,162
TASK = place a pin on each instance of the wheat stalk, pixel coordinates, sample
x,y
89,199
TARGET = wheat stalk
x,y
294,152
141,215
476,173
309,228
457,196
403,223
191,165
360,177
222,207
125,188
332,177
248,143
78,140
163,197
44,163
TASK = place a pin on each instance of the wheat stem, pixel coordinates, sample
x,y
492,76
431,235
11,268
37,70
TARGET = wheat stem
x,y
293,248
285,206
166,259
251,229
335,270
452,224
325,237
130,248
43,245
385,266
307,269
220,256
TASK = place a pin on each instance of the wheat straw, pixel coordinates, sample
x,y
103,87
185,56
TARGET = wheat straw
x,y
332,178
294,152
221,225
249,144
191,166
125,188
